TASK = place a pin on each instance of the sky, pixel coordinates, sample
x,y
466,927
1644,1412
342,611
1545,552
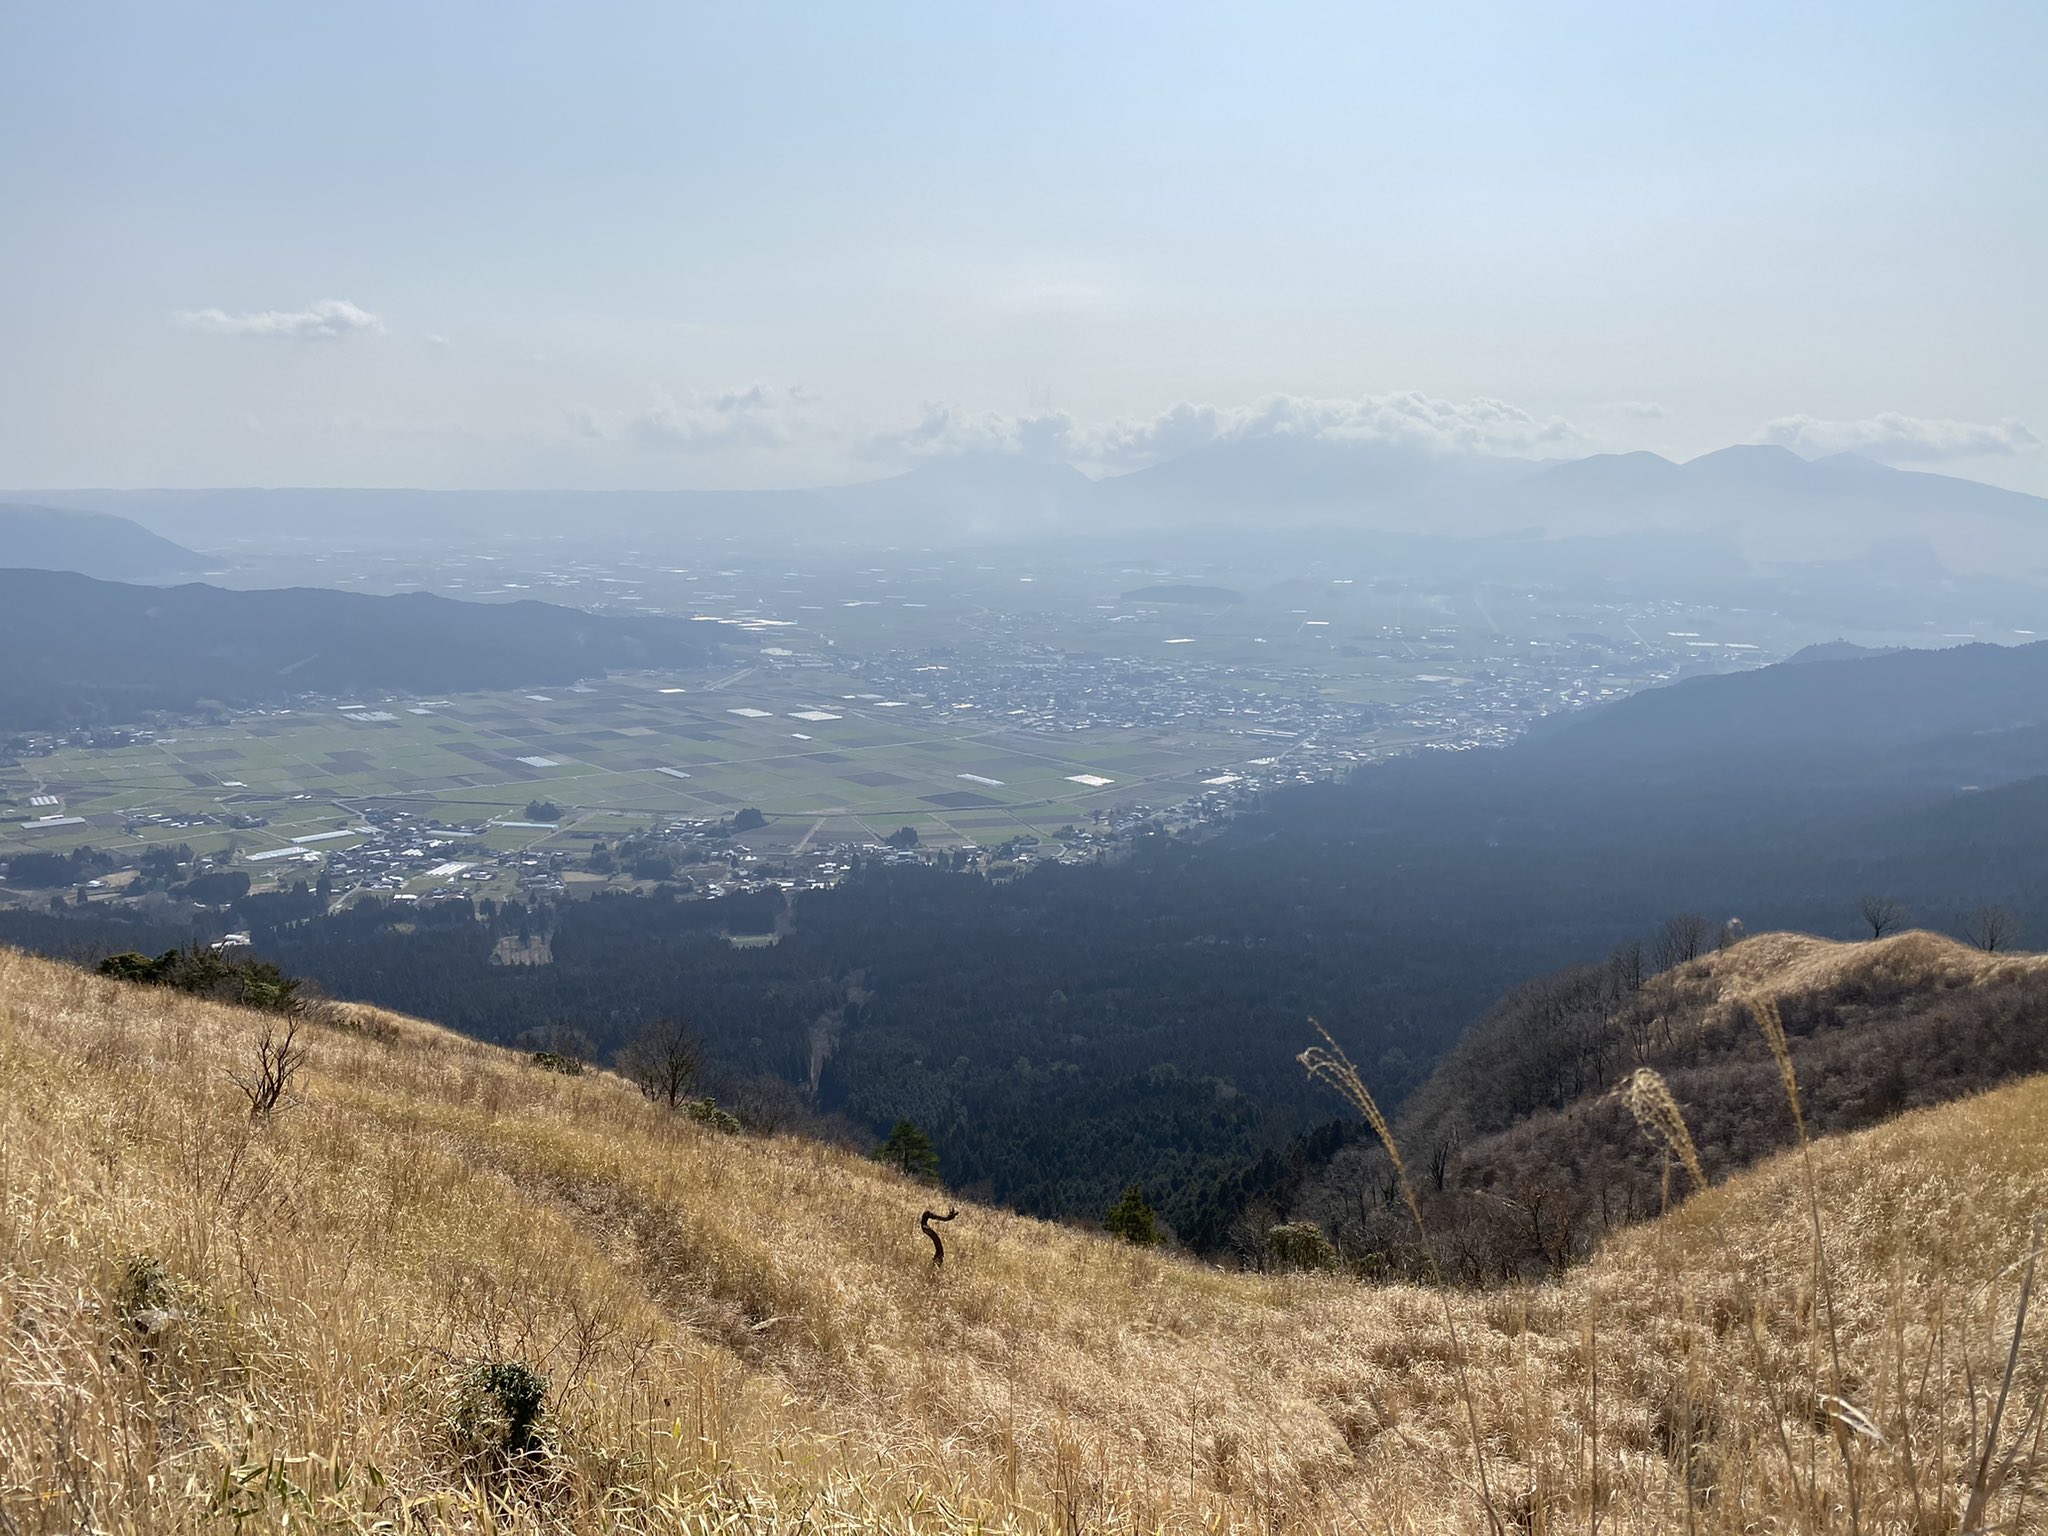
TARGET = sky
x,y
670,245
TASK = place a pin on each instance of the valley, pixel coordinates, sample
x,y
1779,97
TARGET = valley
x,y
995,704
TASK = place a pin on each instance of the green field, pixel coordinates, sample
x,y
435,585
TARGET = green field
x,y
601,753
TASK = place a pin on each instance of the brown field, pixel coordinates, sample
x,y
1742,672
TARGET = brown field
x,y
213,1322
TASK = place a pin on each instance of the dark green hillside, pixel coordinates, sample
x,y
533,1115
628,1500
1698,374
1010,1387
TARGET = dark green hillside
x,y
81,651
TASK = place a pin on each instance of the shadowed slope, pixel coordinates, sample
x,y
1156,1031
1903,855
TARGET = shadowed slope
x,y
102,652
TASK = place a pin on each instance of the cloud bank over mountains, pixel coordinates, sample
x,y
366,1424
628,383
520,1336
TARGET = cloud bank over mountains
x,y
1409,419
769,415
1893,438
763,415
767,423
747,416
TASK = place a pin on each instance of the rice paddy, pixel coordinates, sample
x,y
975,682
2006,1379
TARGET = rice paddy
x,y
624,751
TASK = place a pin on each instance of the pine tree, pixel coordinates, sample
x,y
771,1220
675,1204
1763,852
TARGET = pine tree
x,y
1132,1220
910,1150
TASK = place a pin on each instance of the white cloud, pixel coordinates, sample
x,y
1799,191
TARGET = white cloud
x,y
1411,420
753,416
773,416
1896,438
327,320
944,430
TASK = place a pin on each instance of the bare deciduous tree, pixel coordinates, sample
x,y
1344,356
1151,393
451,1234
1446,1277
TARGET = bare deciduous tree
x,y
278,1059
1684,938
1990,929
1440,1163
1626,966
662,1060
1882,913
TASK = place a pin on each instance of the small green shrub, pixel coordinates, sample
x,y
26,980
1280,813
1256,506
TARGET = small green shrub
x,y
707,1112
1300,1245
1132,1219
498,1409
558,1061
909,1151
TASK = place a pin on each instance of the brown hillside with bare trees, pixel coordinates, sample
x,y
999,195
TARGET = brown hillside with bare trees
x,y
1530,1153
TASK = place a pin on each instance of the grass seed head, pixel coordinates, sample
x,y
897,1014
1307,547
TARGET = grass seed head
x,y
1657,1112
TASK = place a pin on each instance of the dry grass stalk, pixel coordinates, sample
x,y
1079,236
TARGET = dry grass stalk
x,y
1765,1011
1327,1063
1841,1413
1989,1476
1649,1100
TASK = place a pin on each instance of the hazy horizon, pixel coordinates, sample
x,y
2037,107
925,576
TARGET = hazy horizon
x,y
877,474
507,247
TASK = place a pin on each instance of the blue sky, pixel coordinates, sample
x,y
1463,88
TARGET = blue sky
x,y
445,244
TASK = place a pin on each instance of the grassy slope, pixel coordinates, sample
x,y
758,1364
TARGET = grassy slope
x,y
747,1333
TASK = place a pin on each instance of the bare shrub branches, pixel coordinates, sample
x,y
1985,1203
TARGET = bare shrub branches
x,y
269,1077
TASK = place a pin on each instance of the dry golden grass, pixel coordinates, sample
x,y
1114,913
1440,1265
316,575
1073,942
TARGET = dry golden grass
x,y
1783,968
748,1334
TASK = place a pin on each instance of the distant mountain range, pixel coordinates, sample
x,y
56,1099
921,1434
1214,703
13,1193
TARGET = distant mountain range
x,y
1777,508
91,543
1376,485
227,520
1784,508
86,652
